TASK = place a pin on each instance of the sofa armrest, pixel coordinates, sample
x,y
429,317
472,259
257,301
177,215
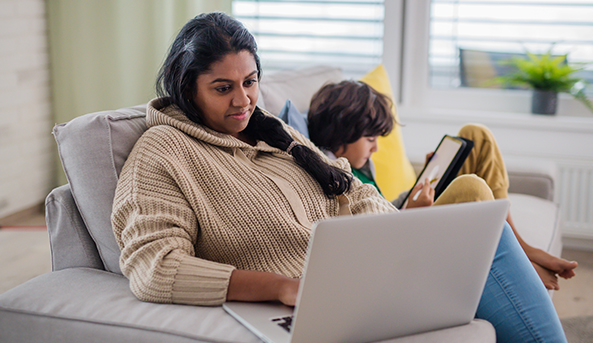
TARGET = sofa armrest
x,y
531,177
70,243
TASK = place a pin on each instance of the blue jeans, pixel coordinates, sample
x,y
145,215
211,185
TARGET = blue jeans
x,y
515,300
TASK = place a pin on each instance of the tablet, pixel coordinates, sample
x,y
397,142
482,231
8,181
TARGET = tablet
x,y
444,164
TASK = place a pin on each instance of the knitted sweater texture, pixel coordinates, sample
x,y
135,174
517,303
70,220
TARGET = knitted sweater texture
x,y
193,204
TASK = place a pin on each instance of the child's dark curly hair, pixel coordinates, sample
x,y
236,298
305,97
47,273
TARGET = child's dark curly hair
x,y
341,113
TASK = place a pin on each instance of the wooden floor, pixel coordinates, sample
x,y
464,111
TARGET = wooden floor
x,y
575,297
24,254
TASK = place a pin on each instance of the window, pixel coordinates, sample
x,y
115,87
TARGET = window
x,y
436,31
292,34
496,30
420,42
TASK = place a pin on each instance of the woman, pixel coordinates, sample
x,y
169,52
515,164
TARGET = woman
x,y
216,200
345,119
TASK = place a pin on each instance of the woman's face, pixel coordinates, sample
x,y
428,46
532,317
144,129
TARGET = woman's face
x,y
359,152
227,93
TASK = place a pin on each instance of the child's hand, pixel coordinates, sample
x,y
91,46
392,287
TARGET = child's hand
x,y
424,198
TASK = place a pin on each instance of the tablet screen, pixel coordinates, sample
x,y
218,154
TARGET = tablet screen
x,y
438,164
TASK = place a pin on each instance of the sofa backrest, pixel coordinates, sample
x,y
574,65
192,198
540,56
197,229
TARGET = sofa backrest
x,y
296,85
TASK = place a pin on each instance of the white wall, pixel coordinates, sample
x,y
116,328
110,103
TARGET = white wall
x,y
26,144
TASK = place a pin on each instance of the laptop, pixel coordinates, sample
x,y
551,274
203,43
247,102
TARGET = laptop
x,y
375,277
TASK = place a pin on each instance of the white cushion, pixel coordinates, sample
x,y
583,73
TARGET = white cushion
x,y
536,220
298,85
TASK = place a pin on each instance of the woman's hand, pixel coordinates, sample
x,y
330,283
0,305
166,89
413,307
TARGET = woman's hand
x,y
248,285
425,198
287,292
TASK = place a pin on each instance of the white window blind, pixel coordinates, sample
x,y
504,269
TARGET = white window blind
x,y
507,27
292,34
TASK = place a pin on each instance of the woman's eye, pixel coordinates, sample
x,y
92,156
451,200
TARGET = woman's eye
x,y
250,83
223,89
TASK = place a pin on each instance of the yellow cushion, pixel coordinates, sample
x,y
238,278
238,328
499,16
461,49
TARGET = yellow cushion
x,y
395,173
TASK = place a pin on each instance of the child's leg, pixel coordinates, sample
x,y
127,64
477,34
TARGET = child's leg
x,y
465,188
485,159
514,299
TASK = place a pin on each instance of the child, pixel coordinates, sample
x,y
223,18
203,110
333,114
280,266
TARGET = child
x,y
345,120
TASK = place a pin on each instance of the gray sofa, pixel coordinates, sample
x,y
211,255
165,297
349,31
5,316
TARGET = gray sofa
x,y
86,299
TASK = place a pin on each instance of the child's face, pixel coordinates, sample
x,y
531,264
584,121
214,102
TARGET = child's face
x,y
359,152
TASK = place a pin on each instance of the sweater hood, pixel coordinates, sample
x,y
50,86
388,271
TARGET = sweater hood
x,y
160,111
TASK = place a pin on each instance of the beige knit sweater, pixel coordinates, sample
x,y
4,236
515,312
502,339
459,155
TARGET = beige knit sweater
x,y
192,204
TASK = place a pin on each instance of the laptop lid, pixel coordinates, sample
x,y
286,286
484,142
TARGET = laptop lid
x,y
374,277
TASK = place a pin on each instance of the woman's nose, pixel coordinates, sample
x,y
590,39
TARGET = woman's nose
x,y
241,98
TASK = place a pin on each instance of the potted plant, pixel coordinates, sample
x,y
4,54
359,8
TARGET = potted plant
x,y
547,75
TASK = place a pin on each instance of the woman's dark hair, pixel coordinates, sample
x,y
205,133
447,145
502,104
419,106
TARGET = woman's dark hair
x,y
206,39
334,181
341,113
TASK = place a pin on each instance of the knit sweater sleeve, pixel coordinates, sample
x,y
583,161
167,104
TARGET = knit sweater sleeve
x,y
156,230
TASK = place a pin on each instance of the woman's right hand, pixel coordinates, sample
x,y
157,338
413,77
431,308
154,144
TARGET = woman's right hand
x,y
288,290
248,285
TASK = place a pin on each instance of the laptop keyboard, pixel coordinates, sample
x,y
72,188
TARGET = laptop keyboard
x,y
285,322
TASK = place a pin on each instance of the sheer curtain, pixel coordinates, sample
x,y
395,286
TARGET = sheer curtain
x,y
104,54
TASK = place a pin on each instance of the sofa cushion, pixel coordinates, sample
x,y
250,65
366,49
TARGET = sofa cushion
x,y
97,306
291,116
93,149
537,221
298,85
394,172
89,305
